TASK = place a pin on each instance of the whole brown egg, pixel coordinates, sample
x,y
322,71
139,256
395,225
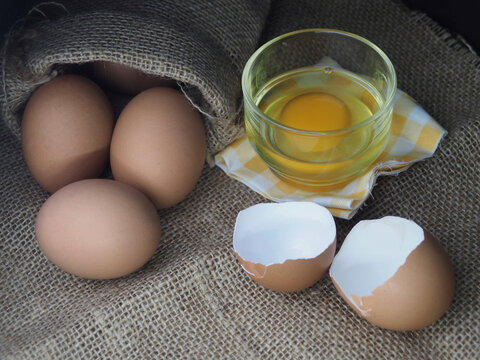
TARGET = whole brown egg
x,y
66,131
125,79
158,146
98,229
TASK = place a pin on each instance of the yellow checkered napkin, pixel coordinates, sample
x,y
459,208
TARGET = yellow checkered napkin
x,y
414,136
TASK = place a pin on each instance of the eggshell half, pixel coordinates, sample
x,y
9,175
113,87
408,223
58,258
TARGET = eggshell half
x,y
291,275
285,247
417,293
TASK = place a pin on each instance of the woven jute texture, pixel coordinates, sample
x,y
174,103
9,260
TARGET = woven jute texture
x,y
192,300
203,45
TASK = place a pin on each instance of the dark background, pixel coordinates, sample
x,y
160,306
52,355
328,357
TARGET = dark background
x,y
459,16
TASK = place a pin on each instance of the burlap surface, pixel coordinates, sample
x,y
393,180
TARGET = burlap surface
x,y
202,45
192,300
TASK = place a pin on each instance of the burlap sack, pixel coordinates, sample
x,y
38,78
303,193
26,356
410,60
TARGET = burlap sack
x,y
203,45
192,300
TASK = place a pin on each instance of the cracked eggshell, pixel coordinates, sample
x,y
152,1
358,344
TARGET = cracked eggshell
x,y
394,274
285,247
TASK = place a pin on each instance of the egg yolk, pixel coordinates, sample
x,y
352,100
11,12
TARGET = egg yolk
x,y
316,112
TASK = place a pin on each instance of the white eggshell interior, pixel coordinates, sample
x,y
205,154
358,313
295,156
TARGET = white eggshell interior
x,y
372,253
275,232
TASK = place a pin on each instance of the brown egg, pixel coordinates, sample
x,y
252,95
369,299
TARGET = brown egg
x,y
394,274
98,229
66,131
158,146
285,247
125,79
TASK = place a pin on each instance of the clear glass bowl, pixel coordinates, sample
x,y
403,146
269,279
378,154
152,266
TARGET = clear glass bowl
x,y
283,80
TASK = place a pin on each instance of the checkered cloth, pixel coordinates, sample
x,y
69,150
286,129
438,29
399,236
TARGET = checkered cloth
x,y
414,136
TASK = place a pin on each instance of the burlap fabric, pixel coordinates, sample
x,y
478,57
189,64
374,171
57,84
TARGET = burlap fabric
x,y
192,300
202,45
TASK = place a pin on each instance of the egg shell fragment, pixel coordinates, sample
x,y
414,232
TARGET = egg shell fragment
x,y
285,247
394,274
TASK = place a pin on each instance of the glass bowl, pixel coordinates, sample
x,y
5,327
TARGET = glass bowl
x,y
318,105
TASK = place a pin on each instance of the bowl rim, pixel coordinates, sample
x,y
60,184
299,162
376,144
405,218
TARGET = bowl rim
x,y
385,108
